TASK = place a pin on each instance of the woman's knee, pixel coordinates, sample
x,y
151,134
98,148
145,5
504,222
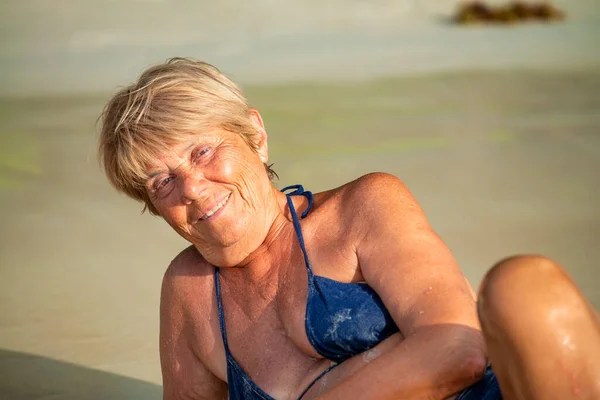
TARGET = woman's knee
x,y
520,271
518,280
538,323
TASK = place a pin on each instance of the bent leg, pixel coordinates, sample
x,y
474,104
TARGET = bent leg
x,y
543,337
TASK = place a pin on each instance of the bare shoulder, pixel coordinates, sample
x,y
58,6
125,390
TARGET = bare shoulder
x,y
188,261
373,186
377,188
186,295
187,275
188,332
187,291
373,199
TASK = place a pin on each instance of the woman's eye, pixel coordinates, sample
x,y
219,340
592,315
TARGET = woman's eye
x,y
198,154
162,183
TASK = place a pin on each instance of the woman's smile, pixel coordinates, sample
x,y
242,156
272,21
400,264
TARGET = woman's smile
x,y
215,211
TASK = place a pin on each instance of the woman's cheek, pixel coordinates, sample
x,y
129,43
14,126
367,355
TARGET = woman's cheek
x,y
167,205
223,166
227,171
171,210
237,168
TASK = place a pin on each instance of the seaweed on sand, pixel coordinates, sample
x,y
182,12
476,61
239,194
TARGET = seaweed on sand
x,y
518,11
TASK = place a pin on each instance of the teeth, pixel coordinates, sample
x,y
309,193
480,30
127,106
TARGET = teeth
x,y
217,208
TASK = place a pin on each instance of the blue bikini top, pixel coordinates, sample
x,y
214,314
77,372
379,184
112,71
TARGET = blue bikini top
x,y
341,320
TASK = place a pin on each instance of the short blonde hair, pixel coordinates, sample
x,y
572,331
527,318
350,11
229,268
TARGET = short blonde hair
x,y
169,103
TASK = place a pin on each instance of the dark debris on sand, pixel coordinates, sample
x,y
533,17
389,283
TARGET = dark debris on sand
x,y
478,12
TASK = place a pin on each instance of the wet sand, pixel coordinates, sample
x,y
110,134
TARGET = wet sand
x,y
503,162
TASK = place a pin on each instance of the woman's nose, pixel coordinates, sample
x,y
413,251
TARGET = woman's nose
x,y
192,186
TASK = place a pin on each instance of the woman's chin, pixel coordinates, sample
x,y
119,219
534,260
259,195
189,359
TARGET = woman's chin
x,y
224,259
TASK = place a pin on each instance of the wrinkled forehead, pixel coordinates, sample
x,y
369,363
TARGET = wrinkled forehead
x,y
171,149
142,156
169,154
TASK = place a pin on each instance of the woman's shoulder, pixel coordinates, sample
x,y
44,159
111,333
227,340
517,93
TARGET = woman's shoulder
x,y
372,199
189,322
373,185
188,277
369,193
189,262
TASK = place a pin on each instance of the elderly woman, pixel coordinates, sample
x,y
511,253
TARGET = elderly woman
x,y
343,294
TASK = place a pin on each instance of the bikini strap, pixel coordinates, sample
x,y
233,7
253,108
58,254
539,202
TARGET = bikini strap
x,y
221,314
299,190
322,374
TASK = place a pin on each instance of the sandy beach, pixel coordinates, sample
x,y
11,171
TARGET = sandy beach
x,y
503,154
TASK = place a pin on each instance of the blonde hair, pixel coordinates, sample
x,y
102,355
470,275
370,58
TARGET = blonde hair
x,y
169,103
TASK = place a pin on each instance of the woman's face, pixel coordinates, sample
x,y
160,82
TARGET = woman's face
x,y
212,189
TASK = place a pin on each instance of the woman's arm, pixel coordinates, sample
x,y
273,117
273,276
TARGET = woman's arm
x,y
425,292
184,375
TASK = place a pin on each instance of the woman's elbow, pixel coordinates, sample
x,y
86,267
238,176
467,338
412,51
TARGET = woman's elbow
x,y
473,367
467,364
468,370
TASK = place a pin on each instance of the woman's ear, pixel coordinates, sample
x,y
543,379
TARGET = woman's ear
x,y
261,144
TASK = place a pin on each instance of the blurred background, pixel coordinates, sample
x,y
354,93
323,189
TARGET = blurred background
x,y
494,128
